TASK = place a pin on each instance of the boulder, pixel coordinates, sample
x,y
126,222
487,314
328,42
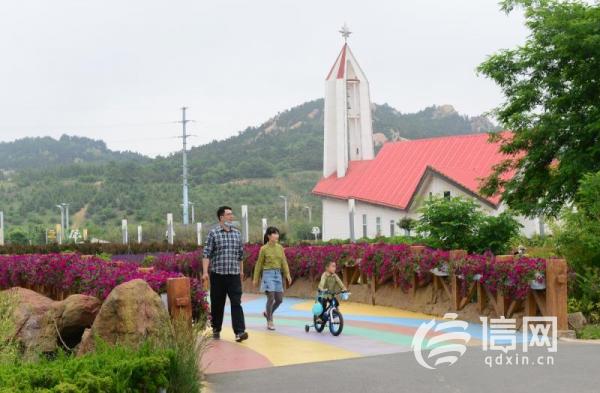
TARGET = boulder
x,y
131,314
31,329
38,319
73,315
577,320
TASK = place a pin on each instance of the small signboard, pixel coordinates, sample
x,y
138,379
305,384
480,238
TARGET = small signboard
x,y
316,231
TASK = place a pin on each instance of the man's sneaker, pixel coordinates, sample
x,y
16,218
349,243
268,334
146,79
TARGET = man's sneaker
x,y
241,337
216,335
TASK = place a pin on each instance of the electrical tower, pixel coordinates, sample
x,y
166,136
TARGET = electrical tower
x,y
184,122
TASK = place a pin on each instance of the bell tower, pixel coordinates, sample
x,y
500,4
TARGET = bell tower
x,y
348,125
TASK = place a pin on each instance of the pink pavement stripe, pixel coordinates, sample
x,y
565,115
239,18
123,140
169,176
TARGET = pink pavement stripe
x,y
358,344
223,356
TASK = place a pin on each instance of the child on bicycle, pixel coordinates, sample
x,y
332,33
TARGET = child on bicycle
x,y
330,283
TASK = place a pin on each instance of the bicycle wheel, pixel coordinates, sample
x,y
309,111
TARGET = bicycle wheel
x,y
336,323
319,326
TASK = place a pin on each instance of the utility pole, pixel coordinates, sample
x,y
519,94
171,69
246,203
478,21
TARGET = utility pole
x,y
285,206
184,122
193,215
66,218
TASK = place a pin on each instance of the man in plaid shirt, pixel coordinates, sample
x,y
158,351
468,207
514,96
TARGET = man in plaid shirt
x,y
223,253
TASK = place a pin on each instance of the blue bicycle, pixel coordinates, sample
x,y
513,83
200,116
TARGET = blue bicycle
x,y
326,311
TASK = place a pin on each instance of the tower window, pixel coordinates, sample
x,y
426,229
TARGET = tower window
x,y
357,151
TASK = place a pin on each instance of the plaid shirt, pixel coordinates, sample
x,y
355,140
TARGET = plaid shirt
x,y
225,250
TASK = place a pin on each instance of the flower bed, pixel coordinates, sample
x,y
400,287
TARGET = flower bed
x,y
61,274
58,275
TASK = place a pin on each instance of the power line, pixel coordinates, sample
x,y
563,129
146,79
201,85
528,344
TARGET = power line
x,y
117,125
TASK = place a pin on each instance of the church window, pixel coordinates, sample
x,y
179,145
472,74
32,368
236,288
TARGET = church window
x,y
392,228
378,225
447,194
364,226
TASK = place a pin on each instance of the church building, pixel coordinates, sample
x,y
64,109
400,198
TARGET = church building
x,y
364,195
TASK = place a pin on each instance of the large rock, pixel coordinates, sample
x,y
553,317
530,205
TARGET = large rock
x,y
73,315
38,320
577,320
131,313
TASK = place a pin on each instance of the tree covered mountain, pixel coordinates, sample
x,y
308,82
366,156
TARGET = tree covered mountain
x,y
283,156
49,152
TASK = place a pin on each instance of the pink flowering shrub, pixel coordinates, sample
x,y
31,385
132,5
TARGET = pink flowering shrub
x,y
58,275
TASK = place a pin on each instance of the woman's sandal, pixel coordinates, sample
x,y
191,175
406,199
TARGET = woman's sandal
x,y
270,326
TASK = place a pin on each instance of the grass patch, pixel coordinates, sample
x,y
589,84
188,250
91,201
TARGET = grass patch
x,y
589,332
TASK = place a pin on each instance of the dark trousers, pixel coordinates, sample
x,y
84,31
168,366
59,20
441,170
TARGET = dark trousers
x,y
221,286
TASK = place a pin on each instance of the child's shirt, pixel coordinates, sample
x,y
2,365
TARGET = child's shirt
x,y
331,282
271,256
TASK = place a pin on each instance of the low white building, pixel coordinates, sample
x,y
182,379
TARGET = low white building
x,y
366,195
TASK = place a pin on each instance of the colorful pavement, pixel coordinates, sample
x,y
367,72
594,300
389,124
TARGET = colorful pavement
x,y
368,330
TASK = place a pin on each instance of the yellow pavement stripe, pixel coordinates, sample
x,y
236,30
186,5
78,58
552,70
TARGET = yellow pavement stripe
x,y
283,350
350,308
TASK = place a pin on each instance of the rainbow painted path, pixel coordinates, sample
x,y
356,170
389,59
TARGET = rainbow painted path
x,y
368,330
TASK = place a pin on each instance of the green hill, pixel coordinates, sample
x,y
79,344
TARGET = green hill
x,y
283,156
47,152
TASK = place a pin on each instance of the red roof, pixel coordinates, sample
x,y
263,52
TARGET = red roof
x,y
340,62
393,177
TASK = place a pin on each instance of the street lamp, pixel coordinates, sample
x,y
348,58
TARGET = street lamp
x,y
285,204
309,213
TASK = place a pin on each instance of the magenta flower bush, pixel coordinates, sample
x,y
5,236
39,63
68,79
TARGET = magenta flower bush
x,y
58,275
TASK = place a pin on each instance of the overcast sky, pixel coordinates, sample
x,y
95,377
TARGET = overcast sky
x,y
121,70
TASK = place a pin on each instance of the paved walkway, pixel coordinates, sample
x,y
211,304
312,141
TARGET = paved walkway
x,y
575,370
368,330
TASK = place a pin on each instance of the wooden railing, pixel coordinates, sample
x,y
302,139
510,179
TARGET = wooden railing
x,y
548,302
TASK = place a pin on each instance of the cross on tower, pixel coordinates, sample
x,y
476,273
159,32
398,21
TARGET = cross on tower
x,y
345,32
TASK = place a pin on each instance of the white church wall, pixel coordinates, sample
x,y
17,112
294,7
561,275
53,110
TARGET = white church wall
x,y
336,220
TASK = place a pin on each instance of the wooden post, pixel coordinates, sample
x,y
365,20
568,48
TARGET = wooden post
x,y
413,285
530,305
556,292
456,255
455,288
415,250
455,298
179,297
481,297
501,304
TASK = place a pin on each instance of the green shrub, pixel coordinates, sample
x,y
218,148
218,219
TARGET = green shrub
x,y
590,332
578,238
494,233
459,223
8,346
108,369
408,224
148,260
